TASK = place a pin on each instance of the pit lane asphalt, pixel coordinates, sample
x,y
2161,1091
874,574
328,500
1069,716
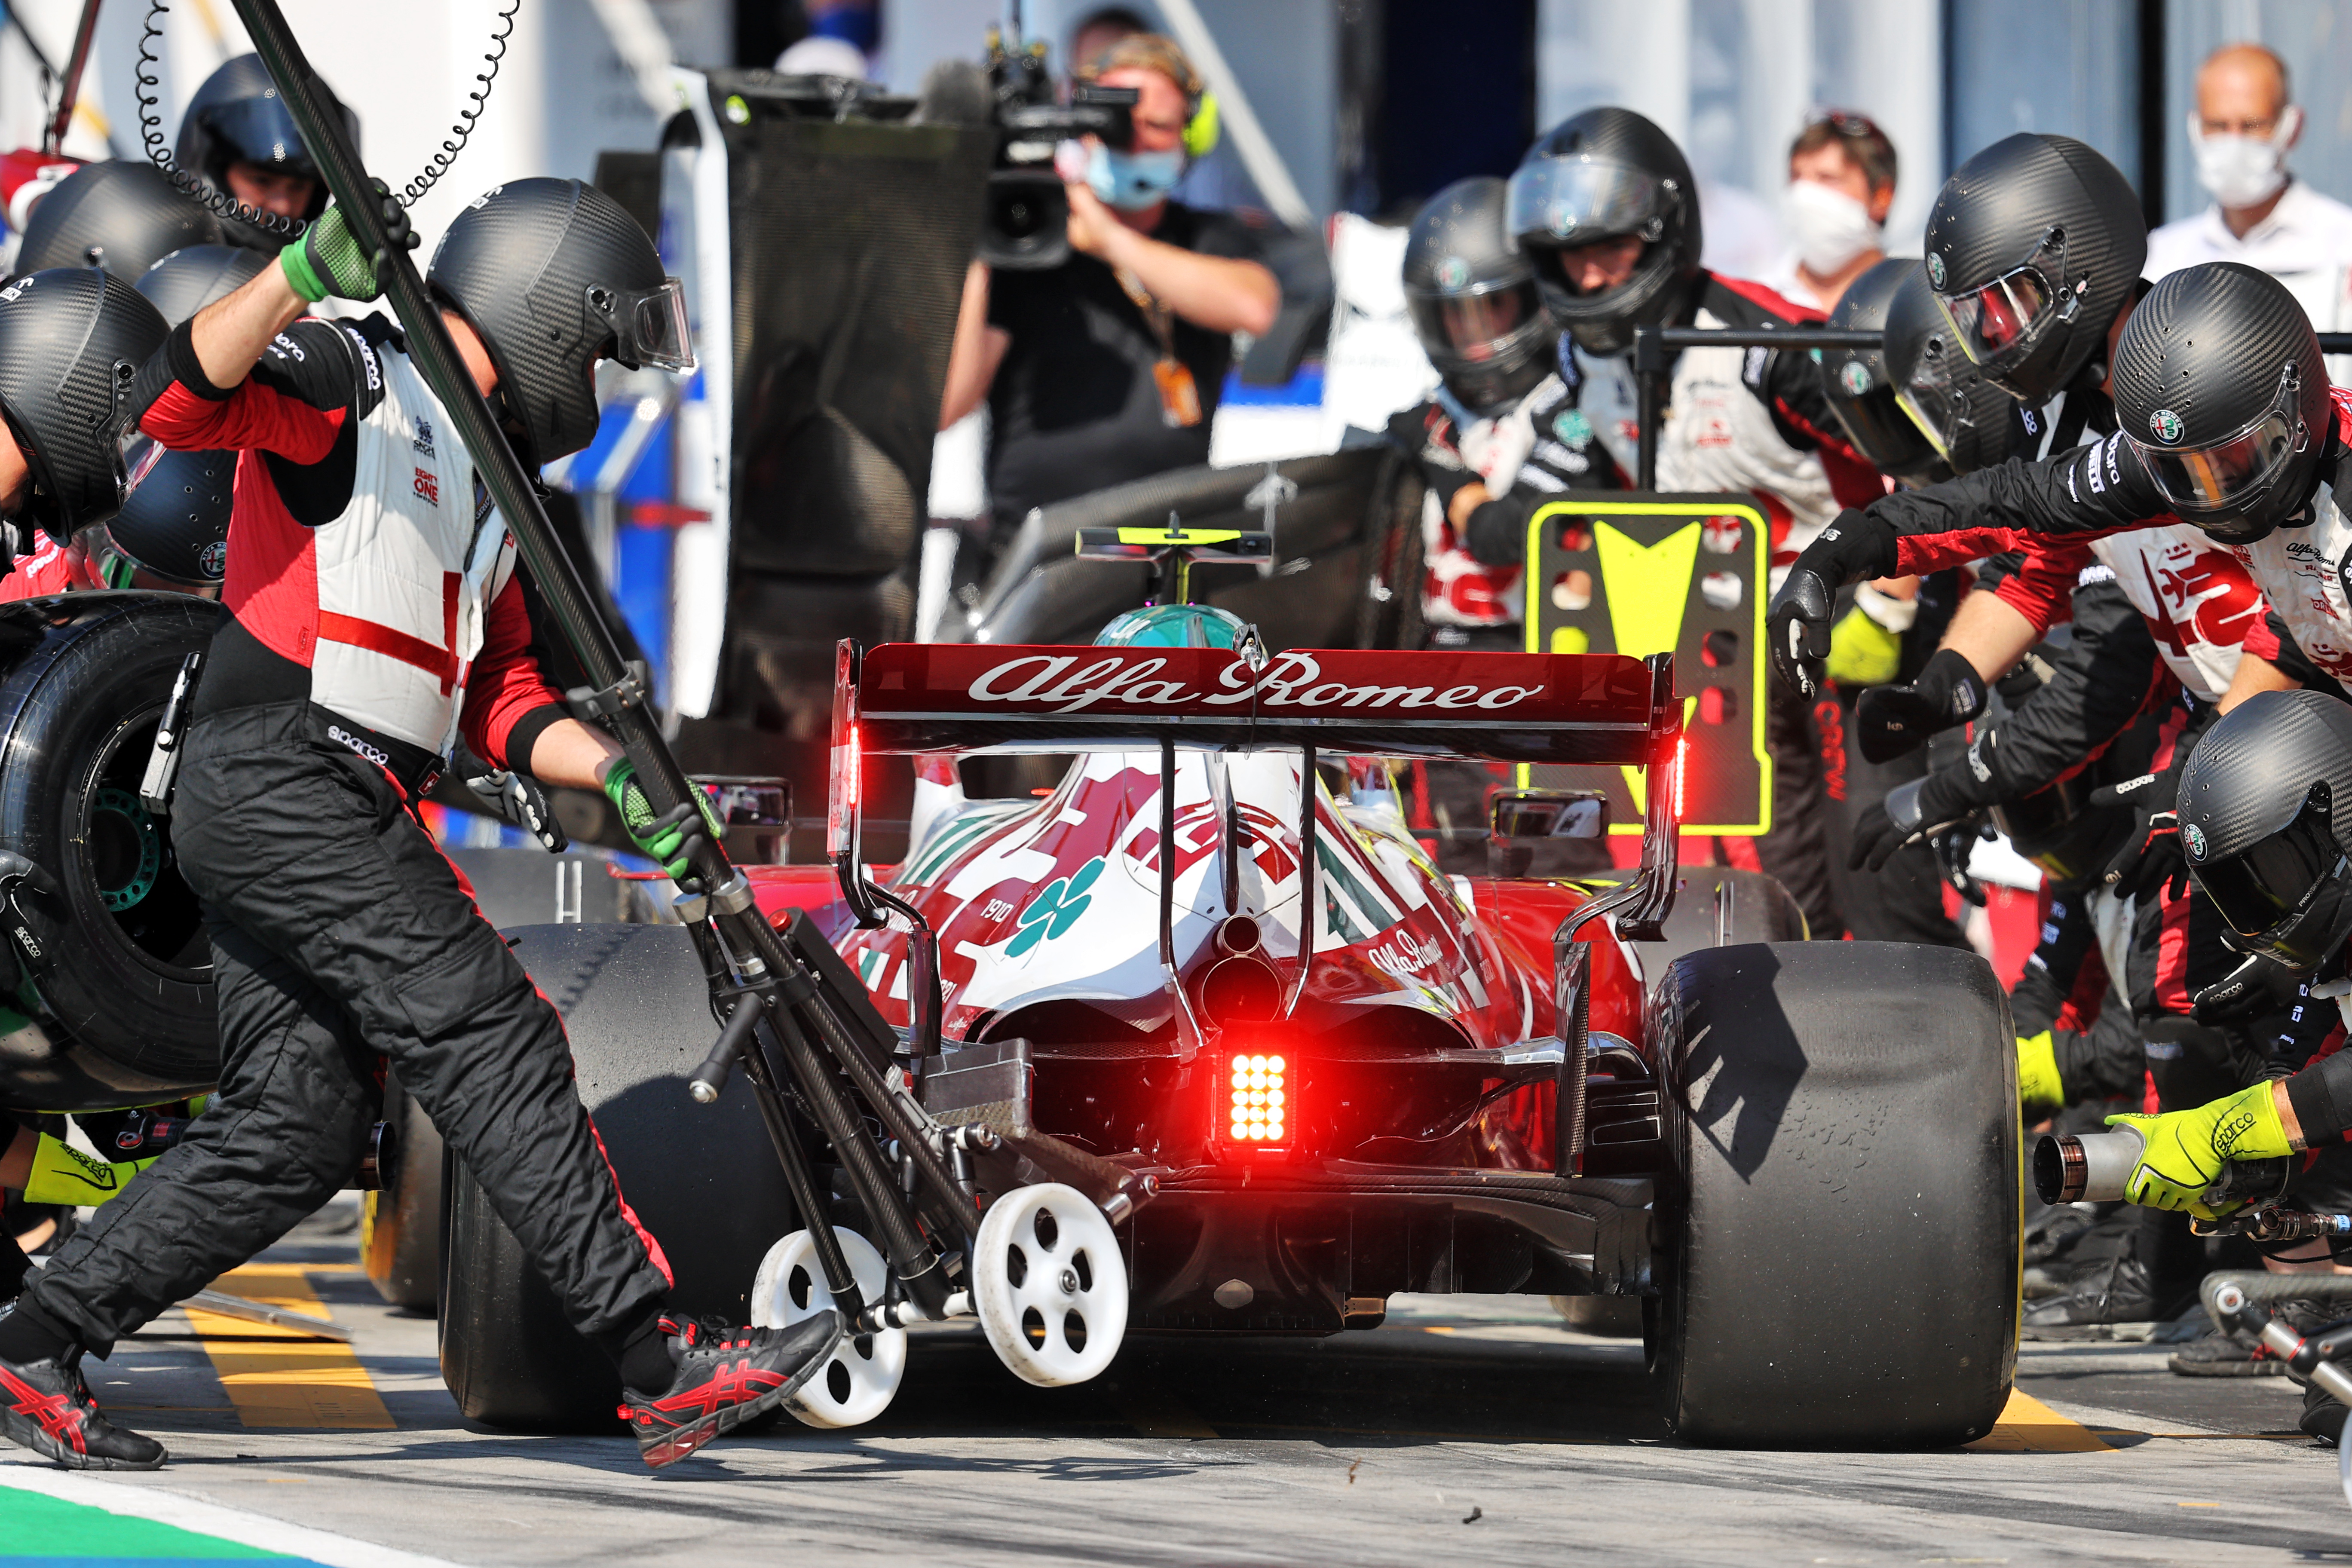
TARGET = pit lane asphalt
x,y
1468,1429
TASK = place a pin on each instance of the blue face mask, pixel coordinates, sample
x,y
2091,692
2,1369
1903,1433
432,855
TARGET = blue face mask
x,y
1133,182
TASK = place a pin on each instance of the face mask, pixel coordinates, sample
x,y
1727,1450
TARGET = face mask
x,y
2243,171
1133,182
1828,227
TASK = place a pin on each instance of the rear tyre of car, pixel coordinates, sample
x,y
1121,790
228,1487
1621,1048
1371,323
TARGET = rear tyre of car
x,y
702,1179
1839,1221
400,1223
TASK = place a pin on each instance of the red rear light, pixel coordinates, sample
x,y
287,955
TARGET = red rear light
x,y
1257,1106
1682,768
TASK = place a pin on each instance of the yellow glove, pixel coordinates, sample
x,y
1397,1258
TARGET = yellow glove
x,y
2187,1149
1862,652
62,1174
2039,1090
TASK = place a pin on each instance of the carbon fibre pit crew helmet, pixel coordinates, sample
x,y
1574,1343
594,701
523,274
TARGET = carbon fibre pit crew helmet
x,y
172,530
237,117
2034,248
1473,297
71,341
1173,625
2221,389
121,216
2262,828
1608,173
1856,382
191,279
555,274
1969,422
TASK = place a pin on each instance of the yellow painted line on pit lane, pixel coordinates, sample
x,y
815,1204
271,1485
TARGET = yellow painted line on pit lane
x,y
2029,1426
277,1377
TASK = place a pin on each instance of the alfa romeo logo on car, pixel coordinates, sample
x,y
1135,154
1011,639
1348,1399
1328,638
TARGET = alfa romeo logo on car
x,y
2193,838
1854,378
1934,270
1452,275
2165,426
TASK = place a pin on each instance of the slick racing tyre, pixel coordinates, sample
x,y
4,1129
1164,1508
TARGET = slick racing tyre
x,y
702,1179
400,1223
1838,1220
123,979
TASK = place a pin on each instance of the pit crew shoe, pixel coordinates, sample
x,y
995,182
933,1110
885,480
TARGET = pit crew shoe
x,y
726,1377
2120,1292
45,1406
2237,1355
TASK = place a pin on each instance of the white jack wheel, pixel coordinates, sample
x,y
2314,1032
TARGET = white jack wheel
x,y
1049,1284
860,1381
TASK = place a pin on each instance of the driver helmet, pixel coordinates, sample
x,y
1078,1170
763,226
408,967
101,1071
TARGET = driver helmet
x,y
172,530
2033,249
1473,298
71,341
1971,423
237,117
555,274
2221,390
121,215
1608,173
2265,819
1173,625
1861,391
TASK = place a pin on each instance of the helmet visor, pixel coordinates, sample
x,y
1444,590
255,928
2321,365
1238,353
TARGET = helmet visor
x,y
1867,407
1577,201
1475,327
649,325
2218,474
2000,324
1938,401
261,130
2265,890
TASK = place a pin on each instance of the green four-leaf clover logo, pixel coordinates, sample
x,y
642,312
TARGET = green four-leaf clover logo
x,y
1055,908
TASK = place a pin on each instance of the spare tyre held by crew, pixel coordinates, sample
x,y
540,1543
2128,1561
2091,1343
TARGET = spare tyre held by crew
x,y
375,618
1108,367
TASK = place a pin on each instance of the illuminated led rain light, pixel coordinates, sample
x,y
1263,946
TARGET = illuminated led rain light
x,y
1260,1094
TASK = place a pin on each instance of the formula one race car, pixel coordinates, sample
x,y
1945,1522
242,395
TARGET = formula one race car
x,y
1212,1047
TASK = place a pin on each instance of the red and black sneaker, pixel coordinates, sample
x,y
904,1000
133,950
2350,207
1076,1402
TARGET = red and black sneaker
x,y
45,1406
726,1377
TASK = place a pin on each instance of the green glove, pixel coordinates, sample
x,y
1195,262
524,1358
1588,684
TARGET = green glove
x,y
330,260
663,844
1862,652
62,1174
2039,1090
2187,1149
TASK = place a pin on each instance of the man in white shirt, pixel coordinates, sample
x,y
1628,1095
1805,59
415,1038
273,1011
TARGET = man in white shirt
x,y
2261,216
1840,186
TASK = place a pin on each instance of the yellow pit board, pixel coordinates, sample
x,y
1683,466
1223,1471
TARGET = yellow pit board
x,y
1638,572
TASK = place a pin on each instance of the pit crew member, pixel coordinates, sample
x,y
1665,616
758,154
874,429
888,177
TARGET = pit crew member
x,y
375,618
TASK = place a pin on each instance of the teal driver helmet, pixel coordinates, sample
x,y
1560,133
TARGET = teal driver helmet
x,y
1173,625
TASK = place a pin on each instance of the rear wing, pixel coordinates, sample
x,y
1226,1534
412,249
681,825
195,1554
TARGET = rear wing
x,y
918,698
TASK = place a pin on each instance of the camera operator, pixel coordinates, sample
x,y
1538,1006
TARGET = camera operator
x,y
1108,367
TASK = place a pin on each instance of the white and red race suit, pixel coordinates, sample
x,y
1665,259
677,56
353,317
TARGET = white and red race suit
x,y
362,576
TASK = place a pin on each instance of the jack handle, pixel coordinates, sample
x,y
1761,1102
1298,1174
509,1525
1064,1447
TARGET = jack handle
x,y
711,1076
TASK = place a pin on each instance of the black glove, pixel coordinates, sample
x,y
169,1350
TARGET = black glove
x,y
2249,991
1853,549
1912,813
517,799
1892,720
1953,847
2151,857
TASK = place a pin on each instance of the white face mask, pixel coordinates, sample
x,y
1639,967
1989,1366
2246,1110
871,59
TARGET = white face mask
x,y
2243,171
1827,227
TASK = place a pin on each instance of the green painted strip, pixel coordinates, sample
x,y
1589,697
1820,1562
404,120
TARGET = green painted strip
x,y
48,1530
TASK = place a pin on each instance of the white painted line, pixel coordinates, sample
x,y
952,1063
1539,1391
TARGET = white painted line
x,y
235,1524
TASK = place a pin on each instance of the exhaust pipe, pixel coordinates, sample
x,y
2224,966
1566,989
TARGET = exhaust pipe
x,y
2091,1167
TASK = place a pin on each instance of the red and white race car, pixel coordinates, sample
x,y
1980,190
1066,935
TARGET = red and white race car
x,y
1213,982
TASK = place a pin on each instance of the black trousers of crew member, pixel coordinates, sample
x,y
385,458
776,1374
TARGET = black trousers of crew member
x,y
1796,852
1903,900
339,932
